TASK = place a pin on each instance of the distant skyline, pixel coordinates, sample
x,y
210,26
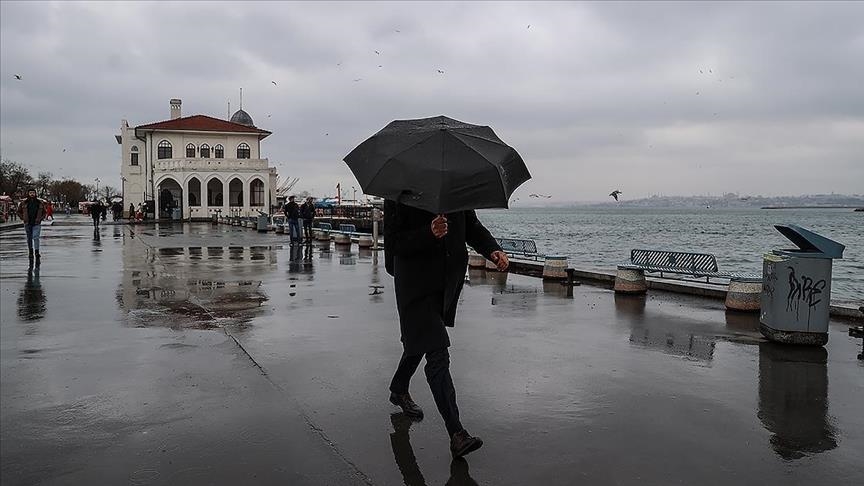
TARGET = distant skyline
x,y
650,98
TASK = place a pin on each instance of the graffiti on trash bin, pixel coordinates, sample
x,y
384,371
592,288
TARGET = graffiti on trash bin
x,y
804,290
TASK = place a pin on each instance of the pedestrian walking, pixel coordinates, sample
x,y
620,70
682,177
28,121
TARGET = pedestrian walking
x,y
31,211
292,213
96,210
307,212
131,211
427,256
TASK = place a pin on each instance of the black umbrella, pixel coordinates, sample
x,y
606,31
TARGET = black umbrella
x,y
438,164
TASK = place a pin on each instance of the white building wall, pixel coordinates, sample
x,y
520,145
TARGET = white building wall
x,y
133,181
138,187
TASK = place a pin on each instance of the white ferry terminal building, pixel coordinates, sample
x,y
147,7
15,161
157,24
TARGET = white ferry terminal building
x,y
198,164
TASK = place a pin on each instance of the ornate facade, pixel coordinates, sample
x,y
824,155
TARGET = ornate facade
x,y
198,164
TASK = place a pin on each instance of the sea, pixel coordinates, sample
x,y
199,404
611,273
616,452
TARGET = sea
x,y
600,238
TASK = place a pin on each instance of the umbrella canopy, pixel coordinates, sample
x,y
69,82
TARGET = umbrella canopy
x,y
438,164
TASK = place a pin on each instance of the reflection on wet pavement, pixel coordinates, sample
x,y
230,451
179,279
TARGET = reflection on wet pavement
x,y
793,400
406,461
587,389
191,287
31,299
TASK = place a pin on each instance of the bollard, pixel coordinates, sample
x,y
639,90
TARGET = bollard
x,y
744,294
322,235
364,241
555,268
342,239
630,281
476,260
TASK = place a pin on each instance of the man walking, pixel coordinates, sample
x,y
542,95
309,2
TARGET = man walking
x,y
292,213
307,212
32,212
427,257
96,212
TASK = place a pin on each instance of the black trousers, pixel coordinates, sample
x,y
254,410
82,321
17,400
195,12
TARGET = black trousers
x,y
307,229
440,382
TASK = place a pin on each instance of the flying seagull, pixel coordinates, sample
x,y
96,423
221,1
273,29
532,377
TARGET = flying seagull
x,y
17,76
274,83
358,79
529,26
440,71
376,52
615,194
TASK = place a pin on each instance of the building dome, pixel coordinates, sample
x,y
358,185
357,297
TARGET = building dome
x,y
242,118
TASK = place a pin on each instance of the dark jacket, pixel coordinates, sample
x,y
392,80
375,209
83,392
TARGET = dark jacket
x,y
292,210
25,217
429,272
307,211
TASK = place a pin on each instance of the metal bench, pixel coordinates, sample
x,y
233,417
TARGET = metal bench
x,y
324,226
682,263
524,249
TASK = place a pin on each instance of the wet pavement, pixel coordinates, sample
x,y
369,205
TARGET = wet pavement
x,y
197,354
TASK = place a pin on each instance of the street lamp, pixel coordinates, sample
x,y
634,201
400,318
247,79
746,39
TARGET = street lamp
x,y
97,187
355,194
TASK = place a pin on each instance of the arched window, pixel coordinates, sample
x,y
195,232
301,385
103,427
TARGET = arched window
x,y
235,193
133,160
194,191
164,150
214,192
205,151
190,150
219,151
256,193
243,151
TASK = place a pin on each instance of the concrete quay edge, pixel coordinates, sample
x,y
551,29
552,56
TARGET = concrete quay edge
x,y
844,311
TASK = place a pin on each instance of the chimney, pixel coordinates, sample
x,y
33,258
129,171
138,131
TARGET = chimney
x,y
175,108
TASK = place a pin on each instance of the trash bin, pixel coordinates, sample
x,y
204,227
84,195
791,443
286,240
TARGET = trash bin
x,y
175,214
263,221
796,292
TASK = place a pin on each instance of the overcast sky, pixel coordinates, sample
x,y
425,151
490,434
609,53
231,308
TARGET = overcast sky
x,y
649,98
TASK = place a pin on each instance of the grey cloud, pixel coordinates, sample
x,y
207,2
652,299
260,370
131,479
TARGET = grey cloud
x,y
593,94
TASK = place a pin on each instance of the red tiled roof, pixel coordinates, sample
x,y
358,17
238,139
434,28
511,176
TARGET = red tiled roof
x,y
202,123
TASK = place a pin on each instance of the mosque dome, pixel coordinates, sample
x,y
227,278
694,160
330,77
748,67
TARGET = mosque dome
x,y
242,118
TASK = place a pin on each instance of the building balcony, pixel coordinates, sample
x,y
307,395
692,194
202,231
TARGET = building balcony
x,y
186,165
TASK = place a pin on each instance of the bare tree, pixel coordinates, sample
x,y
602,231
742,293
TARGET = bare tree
x,y
43,183
14,177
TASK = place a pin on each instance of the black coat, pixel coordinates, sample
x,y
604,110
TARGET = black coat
x,y
429,272
292,210
307,211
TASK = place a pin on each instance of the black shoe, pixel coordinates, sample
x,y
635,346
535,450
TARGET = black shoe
x,y
408,406
463,443
38,258
31,255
